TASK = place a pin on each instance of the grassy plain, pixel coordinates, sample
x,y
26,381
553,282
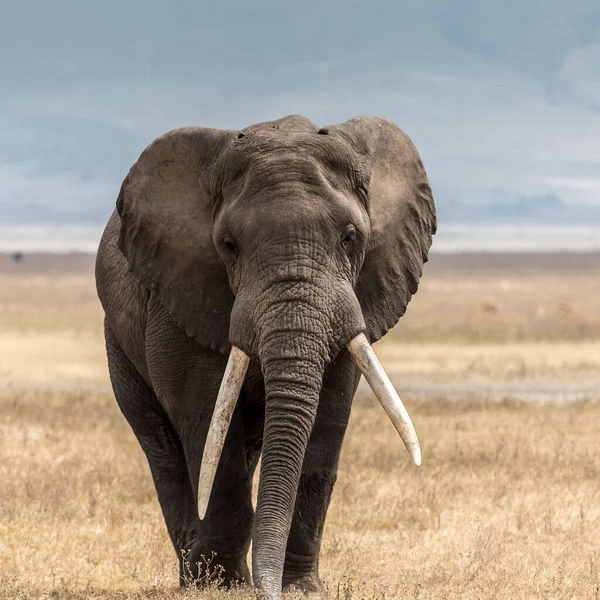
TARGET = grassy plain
x,y
506,504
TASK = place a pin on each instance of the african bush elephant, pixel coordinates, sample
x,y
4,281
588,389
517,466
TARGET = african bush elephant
x,y
243,275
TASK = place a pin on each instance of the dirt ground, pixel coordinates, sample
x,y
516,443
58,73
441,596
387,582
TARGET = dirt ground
x,y
506,504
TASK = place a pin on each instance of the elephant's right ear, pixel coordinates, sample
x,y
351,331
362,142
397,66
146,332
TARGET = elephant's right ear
x,y
403,220
166,231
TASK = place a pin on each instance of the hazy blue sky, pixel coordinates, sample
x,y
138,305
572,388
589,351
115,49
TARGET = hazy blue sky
x,y
501,98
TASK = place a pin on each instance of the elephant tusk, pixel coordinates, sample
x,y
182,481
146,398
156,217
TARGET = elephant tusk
x,y
382,387
237,365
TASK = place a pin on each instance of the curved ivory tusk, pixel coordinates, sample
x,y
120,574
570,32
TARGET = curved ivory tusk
x,y
382,387
237,365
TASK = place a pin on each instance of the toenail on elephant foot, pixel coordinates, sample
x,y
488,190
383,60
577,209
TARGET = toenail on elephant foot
x,y
309,585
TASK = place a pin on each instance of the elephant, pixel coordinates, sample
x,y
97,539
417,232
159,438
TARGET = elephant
x,y
244,275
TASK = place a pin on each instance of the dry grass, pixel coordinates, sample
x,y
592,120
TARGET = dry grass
x,y
559,361
506,505
535,320
484,307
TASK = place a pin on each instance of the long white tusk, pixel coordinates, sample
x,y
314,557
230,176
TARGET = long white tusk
x,y
237,365
382,387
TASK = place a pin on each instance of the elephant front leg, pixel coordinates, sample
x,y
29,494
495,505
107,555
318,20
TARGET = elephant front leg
x,y
215,548
319,472
186,379
160,443
301,568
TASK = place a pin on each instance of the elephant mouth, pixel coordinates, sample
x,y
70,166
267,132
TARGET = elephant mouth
x,y
235,372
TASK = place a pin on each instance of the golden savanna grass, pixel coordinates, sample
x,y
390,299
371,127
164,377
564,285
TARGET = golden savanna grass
x,y
506,504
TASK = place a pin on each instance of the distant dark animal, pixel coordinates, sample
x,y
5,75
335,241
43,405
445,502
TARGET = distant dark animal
x,y
286,248
490,307
17,257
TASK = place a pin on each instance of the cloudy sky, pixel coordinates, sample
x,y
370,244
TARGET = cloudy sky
x,y
501,98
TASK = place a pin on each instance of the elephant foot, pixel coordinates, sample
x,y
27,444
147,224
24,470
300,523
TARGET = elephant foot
x,y
308,585
200,568
301,575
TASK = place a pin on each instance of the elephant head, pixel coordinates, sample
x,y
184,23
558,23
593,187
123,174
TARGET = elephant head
x,y
285,243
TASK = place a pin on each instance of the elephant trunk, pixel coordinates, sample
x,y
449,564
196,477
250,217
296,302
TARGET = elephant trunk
x,y
294,349
295,336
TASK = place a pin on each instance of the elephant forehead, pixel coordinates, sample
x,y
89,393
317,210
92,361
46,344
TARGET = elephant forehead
x,y
274,156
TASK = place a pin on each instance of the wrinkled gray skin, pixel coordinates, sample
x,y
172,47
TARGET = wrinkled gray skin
x,y
286,240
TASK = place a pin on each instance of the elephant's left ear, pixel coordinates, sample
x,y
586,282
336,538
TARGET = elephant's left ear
x,y
403,220
166,230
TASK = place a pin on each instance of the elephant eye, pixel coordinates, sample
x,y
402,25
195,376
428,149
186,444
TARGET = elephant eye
x,y
348,237
229,245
